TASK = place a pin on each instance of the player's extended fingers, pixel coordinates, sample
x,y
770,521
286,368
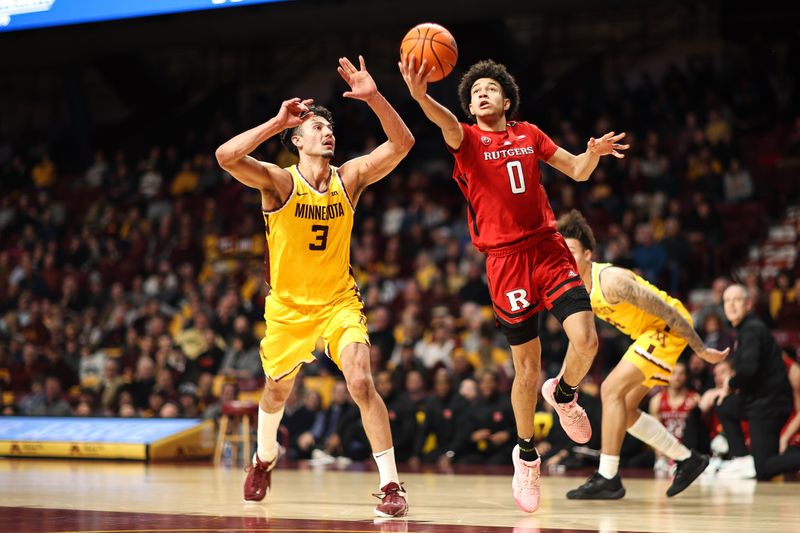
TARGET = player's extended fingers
x,y
345,76
616,146
617,154
361,62
347,65
422,68
308,101
615,138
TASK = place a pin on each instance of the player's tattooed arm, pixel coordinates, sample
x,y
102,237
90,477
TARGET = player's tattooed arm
x,y
619,285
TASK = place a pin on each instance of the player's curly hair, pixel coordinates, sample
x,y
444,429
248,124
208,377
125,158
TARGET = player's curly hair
x,y
572,225
488,68
286,135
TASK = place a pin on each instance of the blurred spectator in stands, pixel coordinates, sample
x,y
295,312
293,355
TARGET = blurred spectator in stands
x,y
97,172
490,357
143,381
649,257
90,368
302,409
442,412
170,410
414,388
475,288
714,303
240,362
759,299
44,173
678,253
437,349
738,183
781,292
186,181
714,333
110,385
554,345
25,372
488,427
408,362
54,404
188,400
788,315
56,366
380,331
401,416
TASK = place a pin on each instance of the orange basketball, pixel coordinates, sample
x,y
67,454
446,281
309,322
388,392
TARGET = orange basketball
x,y
432,42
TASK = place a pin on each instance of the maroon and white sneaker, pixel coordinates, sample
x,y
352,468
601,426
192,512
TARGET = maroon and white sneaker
x,y
571,415
393,501
525,485
259,479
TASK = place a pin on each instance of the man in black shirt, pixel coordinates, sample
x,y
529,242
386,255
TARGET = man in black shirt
x,y
760,393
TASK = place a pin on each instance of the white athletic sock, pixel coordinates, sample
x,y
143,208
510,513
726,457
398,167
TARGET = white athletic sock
x,y
268,434
650,431
387,468
609,465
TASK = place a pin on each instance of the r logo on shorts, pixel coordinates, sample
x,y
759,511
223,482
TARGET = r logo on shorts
x,y
518,299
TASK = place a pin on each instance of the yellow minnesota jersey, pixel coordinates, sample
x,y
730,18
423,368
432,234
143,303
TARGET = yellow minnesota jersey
x,y
626,317
308,243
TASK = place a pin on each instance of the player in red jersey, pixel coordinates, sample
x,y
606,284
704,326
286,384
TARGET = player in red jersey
x,y
529,267
672,405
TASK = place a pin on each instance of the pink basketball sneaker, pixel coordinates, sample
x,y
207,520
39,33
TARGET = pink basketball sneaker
x,y
571,415
525,484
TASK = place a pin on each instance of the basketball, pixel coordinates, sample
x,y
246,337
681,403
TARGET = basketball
x,y
432,42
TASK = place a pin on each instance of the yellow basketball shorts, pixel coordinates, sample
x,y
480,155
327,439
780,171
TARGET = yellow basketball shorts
x,y
655,353
293,331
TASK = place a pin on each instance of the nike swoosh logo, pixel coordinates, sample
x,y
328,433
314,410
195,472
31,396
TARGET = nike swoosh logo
x,y
302,193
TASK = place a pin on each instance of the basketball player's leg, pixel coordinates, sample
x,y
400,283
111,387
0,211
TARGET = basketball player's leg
x,y
288,334
516,306
573,309
348,347
564,294
605,484
354,360
270,413
525,386
580,330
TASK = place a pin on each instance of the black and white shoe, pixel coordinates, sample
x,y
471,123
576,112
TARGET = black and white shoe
x,y
598,487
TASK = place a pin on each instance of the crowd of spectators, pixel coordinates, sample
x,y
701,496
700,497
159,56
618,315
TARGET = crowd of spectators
x,y
128,289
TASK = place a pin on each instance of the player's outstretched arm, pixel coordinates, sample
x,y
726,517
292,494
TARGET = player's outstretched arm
x,y
361,171
233,155
618,284
416,79
580,167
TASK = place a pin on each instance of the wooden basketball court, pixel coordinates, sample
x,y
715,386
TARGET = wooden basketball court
x,y
85,496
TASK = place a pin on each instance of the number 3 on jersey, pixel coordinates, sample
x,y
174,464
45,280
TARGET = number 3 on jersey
x,y
321,236
516,177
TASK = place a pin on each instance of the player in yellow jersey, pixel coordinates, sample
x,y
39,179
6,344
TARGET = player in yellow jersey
x,y
308,213
661,328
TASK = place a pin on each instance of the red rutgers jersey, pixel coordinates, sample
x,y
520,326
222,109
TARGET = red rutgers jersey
x,y
674,418
498,173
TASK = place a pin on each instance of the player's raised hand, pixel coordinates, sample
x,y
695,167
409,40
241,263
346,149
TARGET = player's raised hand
x,y
607,145
415,76
362,86
294,112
